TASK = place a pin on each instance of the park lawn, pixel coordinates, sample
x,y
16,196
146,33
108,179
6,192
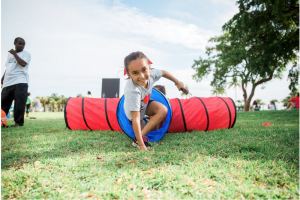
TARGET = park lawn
x,y
247,161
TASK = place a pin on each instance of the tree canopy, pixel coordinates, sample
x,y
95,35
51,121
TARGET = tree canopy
x,y
271,28
257,45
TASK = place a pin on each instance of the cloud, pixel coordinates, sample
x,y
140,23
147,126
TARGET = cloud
x,y
74,44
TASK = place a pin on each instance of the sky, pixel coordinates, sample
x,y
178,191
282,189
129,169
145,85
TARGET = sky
x,y
75,43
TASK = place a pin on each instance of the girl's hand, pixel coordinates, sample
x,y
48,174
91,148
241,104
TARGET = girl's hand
x,y
180,86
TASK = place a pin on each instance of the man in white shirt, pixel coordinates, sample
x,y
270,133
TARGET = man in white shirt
x,y
15,81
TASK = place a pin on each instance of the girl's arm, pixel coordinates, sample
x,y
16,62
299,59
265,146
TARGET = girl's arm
x,y
169,76
137,129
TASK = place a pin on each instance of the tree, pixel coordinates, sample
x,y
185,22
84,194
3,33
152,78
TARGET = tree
x,y
274,26
186,95
79,95
218,91
249,52
53,103
43,100
262,104
234,84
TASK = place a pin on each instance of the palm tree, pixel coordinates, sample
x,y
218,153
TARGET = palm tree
x,y
239,101
262,103
218,91
43,100
186,95
64,100
52,102
54,96
240,106
235,84
285,101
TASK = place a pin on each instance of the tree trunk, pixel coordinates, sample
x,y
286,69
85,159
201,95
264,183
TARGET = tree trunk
x,y
44,104
248,100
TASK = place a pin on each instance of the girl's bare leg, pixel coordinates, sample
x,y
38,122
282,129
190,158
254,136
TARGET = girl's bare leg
x,y
158,111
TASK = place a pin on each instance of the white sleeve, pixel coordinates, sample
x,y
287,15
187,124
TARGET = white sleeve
x,y
156,74
27,57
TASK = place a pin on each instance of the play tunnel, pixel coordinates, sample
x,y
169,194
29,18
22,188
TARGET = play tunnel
x,y
184,115
153,135
92,114
205,114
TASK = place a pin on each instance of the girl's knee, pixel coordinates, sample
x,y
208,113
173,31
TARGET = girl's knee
x,y
164,110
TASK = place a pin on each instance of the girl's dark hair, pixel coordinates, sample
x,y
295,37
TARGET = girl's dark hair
x,y
254,102
133,56
28,94
161,88
89,92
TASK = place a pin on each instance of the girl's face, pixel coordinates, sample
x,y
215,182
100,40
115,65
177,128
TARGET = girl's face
x,y
139,71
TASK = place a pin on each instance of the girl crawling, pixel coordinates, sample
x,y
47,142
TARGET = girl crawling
x,y
141,79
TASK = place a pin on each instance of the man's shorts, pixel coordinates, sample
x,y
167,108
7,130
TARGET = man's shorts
x,y
147,106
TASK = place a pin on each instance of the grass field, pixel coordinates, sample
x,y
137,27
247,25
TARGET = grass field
x,y
43,159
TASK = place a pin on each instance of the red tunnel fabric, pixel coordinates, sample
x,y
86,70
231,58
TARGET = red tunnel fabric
x,y
196,113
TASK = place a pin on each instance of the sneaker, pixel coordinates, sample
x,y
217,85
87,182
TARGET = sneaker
x,y
146,142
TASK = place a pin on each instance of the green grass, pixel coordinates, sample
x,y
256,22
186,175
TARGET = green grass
x,y
248,161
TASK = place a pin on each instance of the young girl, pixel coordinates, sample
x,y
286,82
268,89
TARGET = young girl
x,y
137,96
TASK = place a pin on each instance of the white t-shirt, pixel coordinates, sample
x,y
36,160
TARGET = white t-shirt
x,y
15,73
137,97
256,107
272,107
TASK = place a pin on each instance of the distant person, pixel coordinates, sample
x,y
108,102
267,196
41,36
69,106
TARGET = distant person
x,y
293,102
15,81
255,106
28,104
272,105
89,94
160,88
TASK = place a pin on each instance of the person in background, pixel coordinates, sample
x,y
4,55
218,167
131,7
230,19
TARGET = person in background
x,y
293,102
272,105
89,94
15,81
255,106
160,88
28,104
146,118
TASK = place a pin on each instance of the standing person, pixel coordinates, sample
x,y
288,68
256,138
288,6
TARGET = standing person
x,y
15,81
137,94
293,102
89,94
28,104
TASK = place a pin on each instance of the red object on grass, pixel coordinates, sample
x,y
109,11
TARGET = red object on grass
x,y
266,124
196,113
